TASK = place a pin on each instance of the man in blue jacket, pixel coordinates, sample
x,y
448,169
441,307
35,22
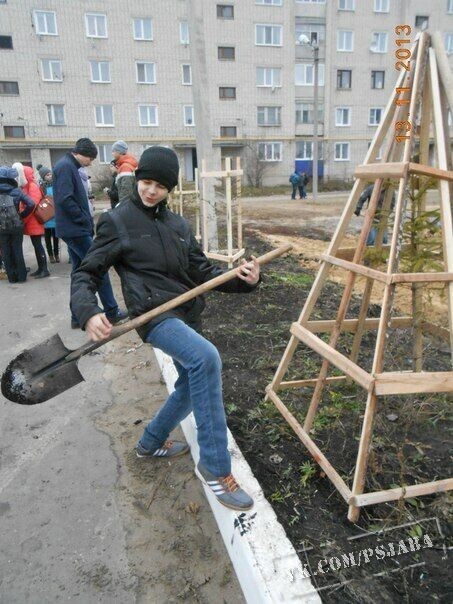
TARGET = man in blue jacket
x,y
73,220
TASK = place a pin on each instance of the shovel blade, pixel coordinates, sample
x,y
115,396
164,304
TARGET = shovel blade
x,y
40,373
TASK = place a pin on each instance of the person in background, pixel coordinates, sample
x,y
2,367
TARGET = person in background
x,y
32,226
74,223
126,165
303,185
11,229
364,199
50,238
294,179
112,193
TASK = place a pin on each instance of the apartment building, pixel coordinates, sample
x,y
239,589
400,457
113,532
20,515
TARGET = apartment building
x,y
112,69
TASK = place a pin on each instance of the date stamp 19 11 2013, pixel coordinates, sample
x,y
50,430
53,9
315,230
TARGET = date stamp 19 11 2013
x,y
403,56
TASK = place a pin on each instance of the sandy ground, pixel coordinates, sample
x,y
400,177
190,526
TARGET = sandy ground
x,y
81,518
308,226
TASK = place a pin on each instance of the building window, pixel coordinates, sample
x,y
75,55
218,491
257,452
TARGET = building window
x,y
51,70
315,32
269,2
268,77
341,152
55,115
304,150
449,43
380,151
189,119
305,113
143,29
146,73
311,1
6,42
421,22
45,23
14,131
104,115
105,154
227,92
184,32
342,116
345,40
186,75
96,25
377,79
269,116
228,131
9,88
270,151
449,7
100,72
305,74
268,35
226,53
225,11
379,41
346,4
344,79
147,115
375,116
381,6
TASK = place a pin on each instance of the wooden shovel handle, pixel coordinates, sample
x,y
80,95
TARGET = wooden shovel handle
x,y
192,293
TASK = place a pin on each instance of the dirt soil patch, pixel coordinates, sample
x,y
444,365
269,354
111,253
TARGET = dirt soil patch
x,y
411,441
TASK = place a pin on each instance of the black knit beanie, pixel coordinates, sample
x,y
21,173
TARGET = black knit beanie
x,y
159,164
86,147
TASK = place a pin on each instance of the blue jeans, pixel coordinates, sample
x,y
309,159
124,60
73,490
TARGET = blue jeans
x,y
198,389
78,248
371,239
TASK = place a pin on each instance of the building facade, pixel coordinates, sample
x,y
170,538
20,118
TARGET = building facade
x,y
111,69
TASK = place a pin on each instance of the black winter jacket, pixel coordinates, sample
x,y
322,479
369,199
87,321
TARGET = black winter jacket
x,y
156,257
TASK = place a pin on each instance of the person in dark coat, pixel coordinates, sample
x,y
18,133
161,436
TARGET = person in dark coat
x,y
364,199
158,258
73,220
11,238
112,193
295,181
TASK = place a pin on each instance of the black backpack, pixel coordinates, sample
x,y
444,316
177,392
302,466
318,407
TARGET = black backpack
x,y
10,220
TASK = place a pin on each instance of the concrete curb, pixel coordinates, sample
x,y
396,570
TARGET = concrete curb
x,y
266,564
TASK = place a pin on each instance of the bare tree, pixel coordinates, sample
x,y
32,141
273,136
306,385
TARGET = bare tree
x,y
254,168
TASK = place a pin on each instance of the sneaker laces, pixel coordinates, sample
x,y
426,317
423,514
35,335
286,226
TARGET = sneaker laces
x,y
230,483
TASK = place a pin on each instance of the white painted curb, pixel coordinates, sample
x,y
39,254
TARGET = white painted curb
x,y
266,564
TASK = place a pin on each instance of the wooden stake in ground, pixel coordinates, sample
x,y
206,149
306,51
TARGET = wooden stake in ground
x,y
393,172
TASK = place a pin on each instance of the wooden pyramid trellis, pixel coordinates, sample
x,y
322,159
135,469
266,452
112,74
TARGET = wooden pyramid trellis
x,y
417,103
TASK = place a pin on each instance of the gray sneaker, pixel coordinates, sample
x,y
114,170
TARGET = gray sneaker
x,y
170,448
226,489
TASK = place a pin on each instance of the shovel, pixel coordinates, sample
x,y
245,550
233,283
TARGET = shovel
x,y
40,373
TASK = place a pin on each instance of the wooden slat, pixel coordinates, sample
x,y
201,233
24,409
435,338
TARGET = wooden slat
x,y
350,325
383,170
429,171
317,454
421,277
356,268
309,383
444,156
358,374
415,490
397,382
221,173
